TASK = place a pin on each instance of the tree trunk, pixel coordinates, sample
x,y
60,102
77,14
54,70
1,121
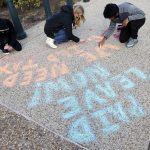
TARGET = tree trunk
x,y
2,3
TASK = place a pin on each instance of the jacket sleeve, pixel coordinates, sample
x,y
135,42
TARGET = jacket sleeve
x,y
110,30
12,33
68,29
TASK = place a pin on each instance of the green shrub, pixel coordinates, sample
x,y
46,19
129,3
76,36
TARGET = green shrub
x,y
27,4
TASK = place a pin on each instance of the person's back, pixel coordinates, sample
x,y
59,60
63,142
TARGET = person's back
x,y
60,19
132,11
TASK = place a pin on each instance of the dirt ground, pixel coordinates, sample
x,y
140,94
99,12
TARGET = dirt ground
x,y
32,17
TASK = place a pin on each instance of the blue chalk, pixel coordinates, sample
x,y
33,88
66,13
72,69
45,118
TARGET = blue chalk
x,y
81,132
95,72
124,81
115,110
70,103
137,72
107,89
90,97
136,109
36,97
79,80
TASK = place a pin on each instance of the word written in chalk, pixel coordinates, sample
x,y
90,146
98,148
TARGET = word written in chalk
x,y
30,72
98,89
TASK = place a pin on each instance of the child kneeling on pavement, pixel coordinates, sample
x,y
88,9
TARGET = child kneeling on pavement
x,y
8,38
58,28
132,19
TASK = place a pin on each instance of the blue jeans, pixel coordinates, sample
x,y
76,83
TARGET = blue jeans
x,y
60,37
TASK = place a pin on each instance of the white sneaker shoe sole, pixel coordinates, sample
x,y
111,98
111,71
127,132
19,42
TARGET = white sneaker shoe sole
x,y
52,45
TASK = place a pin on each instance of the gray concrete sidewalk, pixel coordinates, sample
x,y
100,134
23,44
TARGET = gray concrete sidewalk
x,y
88,97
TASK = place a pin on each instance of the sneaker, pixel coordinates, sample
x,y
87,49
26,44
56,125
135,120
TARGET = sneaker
x,y
131,42
5,51
50,42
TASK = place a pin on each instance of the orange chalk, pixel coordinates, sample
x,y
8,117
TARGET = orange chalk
x,y
30,65
59,69
52,58
42,74
11,80
5,70
27,78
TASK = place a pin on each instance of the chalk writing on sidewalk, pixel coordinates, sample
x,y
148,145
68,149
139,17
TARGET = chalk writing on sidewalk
x,y
99,96
29,72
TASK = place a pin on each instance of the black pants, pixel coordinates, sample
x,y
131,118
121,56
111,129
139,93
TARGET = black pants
x,y
17,46
50,32
131,30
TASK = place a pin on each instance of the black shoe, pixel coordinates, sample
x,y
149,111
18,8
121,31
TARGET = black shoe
x,y
5,51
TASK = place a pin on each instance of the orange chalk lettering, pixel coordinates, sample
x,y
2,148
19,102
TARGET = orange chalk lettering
x,y
88,56
59,69
16,66
10,81
111,46
101,52
30,65
5,70
27,78
52,58
42,74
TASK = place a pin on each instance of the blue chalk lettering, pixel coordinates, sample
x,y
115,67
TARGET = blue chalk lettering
x,y
108,127
51,86
136,109
103,72
36,97
70,103
63,85
137,72
91,97
107,89
79,80
48,93
117,111
59,84
80,131
95,72
124,81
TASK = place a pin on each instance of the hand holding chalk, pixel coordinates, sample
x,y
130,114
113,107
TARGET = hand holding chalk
x,y
102,42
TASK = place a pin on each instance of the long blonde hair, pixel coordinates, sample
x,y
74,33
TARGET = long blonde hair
x,y
78,18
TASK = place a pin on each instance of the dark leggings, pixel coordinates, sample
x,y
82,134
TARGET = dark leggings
x,y
131,30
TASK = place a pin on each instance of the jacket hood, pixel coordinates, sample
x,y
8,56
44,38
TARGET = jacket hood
x,y
3,25
67,9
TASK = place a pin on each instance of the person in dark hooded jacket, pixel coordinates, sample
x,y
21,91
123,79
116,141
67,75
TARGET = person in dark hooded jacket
x,y
58,28
8,39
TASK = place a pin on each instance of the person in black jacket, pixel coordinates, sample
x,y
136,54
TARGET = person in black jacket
x,y
8,39
58,28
